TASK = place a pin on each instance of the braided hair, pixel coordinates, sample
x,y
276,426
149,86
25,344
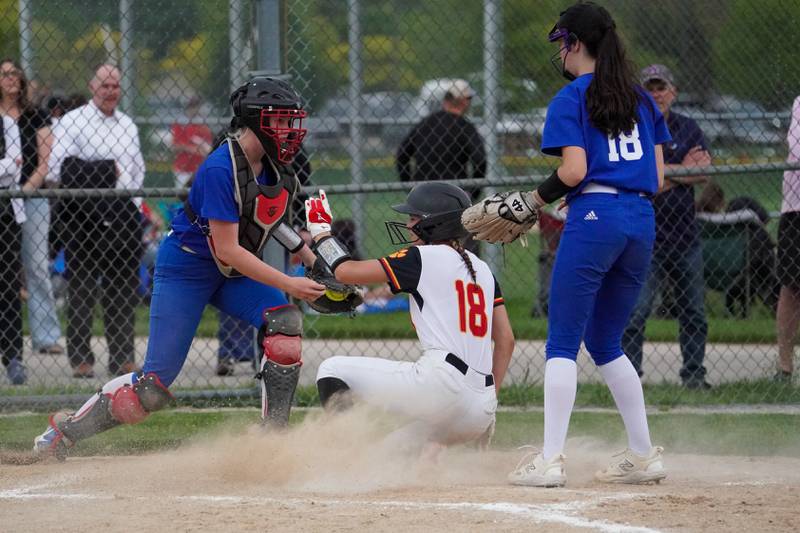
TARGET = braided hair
x,y
458,246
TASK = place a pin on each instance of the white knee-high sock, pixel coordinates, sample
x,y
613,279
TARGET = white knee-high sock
x,y
626,388
560,384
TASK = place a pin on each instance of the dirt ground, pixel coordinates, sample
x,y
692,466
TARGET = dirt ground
x,y
332,475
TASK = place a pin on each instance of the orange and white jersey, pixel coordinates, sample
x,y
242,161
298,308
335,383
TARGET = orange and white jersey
x,y
449,310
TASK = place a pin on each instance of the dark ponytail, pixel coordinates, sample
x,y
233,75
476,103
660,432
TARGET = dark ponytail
x,y
459,247
612,97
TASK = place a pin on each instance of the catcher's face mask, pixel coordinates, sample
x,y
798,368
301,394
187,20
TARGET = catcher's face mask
x,y
567,39
403,232
284,128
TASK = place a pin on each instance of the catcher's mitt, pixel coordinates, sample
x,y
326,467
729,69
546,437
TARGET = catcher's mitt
x,y
339,297
503,217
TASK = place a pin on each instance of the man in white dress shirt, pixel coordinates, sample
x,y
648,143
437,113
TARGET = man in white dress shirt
x,y
97,146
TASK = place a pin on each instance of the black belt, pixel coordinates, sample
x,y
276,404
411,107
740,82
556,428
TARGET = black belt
x,y
462,367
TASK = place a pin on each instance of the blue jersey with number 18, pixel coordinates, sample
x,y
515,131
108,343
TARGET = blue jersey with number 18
x,y
626,161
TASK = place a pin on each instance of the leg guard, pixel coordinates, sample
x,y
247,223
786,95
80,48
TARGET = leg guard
x,y
281,337
334,394
117,403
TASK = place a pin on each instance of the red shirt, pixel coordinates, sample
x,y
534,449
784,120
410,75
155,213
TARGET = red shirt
x,y
189,135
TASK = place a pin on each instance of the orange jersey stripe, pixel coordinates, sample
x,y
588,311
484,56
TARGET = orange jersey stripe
x,y
499,301
390,273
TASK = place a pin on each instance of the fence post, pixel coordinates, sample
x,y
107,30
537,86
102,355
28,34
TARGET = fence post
x,y
491,74
126,53
26,38
235,47
354,116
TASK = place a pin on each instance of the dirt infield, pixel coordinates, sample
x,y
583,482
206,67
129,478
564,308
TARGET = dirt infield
x,y
336,475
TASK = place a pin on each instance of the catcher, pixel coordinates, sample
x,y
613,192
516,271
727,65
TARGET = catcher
x,y
449,394
238,200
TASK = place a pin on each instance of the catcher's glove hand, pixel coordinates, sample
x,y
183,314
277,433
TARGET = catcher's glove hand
x,y
339,297
503,217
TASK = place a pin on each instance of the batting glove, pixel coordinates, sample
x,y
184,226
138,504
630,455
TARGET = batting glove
x,y
318,215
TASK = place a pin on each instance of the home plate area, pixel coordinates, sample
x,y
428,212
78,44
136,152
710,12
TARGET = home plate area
x,y
211,486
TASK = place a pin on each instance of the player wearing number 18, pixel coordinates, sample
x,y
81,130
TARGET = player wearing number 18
x,y
448,395
608,132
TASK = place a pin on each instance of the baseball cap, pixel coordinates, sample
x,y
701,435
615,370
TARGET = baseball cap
x,y
656,72
460,89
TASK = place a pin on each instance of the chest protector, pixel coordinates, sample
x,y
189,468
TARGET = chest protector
x,y
261,207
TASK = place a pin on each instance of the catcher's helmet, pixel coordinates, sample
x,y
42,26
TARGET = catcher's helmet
x,y
439,206
263,98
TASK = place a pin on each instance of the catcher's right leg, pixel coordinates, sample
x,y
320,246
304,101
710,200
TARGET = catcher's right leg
x,y
127,399
281,337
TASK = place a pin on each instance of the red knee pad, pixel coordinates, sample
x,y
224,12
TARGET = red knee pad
x,y
283,349
126,406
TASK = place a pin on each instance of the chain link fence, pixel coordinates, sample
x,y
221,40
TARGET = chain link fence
x,y
78,253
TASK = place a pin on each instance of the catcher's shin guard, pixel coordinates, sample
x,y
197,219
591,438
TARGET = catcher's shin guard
x,y
281,337
123,400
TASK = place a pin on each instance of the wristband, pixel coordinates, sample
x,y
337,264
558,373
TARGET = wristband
x,y
331,251
553,188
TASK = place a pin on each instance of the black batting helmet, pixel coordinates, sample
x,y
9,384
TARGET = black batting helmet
x,y
439,206
263,98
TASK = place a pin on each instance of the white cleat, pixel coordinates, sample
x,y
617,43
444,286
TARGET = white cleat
x,y
51,443
533,471
635,469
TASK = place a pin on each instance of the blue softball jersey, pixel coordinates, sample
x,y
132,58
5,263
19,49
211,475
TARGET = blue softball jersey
x,y
627,161
211,196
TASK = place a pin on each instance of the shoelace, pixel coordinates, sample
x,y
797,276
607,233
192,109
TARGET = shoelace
x,y
528,456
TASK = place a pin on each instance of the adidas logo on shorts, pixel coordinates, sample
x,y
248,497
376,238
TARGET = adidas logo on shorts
x,y
590,216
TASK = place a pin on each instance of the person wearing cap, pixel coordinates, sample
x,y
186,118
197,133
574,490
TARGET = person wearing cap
x,y
445,143
191,142
677,254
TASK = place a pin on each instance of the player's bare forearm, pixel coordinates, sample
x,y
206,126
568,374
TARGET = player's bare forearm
x,y
361,272
225,236
251,266
573,166
306,255
503,337
660,165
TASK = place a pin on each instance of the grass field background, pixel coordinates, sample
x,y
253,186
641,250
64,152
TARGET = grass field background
x,y
718,433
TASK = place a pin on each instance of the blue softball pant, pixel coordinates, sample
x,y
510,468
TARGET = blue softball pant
x,y
182,286
601,265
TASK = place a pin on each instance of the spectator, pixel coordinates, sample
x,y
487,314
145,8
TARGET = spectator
x,y
12,214
444,144
56,107
97,146
677,253
74,101
37,93
191,142
788,317
35,139
761,272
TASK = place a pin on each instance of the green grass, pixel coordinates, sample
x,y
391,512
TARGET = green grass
x,y
736,434
660,395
